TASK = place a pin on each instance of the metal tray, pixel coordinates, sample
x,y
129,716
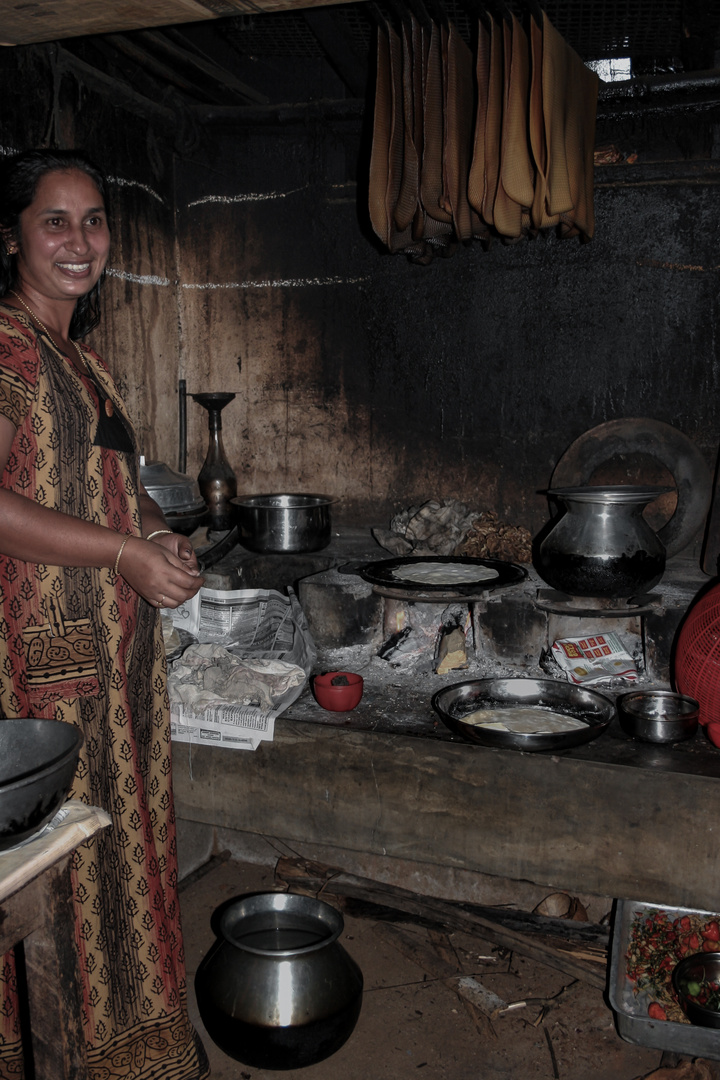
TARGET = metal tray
x,y
633,1023
460,699
382,573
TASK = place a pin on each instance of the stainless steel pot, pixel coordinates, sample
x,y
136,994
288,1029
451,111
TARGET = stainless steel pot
x,y
283,523
601,545
278,990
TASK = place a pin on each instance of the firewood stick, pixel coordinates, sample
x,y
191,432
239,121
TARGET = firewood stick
x,y
450,915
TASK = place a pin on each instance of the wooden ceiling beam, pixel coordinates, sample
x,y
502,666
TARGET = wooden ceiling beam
x,y
334,38
164,73
177,54
51,20
118,91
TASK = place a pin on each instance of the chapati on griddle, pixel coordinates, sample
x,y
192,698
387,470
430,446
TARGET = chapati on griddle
x,y
437,573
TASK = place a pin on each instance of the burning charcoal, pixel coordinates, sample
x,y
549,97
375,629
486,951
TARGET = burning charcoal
x,y
340,680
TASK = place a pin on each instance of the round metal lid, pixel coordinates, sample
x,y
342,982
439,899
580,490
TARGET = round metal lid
x,y
609,493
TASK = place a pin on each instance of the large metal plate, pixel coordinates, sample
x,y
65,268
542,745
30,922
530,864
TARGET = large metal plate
x,y
382,574
460,699
654,441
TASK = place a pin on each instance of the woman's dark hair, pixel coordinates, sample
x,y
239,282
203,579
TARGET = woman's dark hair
x,y
20,175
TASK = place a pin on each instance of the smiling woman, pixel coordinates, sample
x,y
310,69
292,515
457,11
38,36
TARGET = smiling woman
x,y
86,560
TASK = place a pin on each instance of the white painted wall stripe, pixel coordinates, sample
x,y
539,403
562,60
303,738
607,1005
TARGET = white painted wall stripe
x,y
120,181
258,196
138,279
280,283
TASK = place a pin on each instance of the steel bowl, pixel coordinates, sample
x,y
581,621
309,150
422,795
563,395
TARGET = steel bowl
x,y
700,968
460,699
282,523
658,716
38,759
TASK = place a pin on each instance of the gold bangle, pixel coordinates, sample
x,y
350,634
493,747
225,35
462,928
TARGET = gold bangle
x,y
159,532
117,557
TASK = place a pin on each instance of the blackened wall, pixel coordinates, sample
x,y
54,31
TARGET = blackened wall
x,y
242,260
387,383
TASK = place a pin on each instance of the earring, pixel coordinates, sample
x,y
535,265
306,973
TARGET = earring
x,y
11,250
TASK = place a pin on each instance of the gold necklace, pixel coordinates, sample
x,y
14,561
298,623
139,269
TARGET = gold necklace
x,y
109,408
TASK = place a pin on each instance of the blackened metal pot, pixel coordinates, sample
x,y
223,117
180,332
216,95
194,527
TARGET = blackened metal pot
x,y
282,523
601,545
38,759
278,990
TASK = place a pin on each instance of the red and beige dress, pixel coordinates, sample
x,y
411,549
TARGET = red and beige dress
x,y
79,645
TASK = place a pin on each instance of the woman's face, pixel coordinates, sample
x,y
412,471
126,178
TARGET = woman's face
x,y
64,237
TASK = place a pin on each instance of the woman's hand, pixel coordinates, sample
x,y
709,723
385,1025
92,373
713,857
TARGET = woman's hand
x,y
158,573
179,545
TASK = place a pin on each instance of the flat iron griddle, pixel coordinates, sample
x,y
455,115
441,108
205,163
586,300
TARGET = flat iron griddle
x,y
381,575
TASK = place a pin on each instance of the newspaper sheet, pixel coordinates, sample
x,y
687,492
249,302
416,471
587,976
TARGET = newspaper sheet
x,y
251,624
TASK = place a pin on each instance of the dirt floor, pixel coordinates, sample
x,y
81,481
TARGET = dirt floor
x,y
414,1026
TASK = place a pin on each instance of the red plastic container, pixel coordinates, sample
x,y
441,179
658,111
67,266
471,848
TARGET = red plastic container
x,y
338,698
697,660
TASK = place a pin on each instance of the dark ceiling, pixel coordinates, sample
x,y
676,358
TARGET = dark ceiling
x,y
321,53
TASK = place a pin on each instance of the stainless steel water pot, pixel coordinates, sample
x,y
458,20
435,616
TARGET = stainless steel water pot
x,y
601,545
278,990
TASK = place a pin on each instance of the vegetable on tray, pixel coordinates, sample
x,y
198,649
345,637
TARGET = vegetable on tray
x,y
659,942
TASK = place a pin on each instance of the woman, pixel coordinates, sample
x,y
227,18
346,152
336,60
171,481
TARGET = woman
x,y
86,561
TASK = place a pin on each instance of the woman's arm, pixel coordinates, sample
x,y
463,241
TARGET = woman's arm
x,y
154,525
36,534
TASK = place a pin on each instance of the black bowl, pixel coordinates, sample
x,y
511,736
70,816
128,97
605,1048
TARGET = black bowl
x,y
38,759
700,967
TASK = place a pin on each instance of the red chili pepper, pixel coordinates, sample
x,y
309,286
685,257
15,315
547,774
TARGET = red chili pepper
x,y
711,931
656,1011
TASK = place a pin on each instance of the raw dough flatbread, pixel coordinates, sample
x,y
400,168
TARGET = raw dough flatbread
x,y
523,721
437,573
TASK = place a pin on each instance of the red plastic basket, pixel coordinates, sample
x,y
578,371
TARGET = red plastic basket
x,y
697,659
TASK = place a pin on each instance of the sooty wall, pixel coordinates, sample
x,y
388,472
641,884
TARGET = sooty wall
x,y
386,383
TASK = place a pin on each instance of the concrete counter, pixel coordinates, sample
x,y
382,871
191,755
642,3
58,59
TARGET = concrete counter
x,y
612,818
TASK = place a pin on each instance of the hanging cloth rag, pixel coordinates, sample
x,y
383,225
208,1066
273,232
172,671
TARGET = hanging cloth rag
x,y
431,181
493,122
570,93
517,173
538,214
458,134
476,174
398,239
377,186
408,194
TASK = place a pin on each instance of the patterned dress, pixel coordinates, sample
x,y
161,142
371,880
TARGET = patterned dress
x,y
78,644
